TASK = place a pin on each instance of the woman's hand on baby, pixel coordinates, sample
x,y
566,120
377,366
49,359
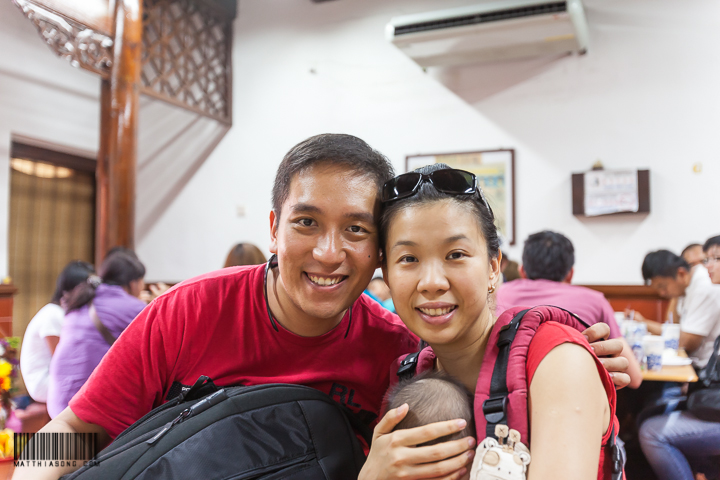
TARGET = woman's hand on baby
x,y
393,454
608,351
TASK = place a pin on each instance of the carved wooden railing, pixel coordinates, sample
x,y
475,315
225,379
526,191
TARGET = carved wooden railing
x,y
186,47
80,31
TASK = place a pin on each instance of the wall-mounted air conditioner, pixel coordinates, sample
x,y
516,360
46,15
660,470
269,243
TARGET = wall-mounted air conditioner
x,y
490,32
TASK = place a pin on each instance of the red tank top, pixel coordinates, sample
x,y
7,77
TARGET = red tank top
x,y
548,336
551,334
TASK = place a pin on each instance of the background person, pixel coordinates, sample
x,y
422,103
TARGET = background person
x,y
510,269
244,254
693,254
43,332
712,258
546,273
378,290
698,302
114,297
151,291
677,443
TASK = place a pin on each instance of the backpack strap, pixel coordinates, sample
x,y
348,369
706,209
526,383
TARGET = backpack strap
x,y
100,327
358,425
495,407
203,386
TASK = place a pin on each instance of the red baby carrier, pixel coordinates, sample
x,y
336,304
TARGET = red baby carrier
x,y
502,388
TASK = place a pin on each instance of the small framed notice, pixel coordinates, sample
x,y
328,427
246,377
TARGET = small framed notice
x,y
606,192
495,171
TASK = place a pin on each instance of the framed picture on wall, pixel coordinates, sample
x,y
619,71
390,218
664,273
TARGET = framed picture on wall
x,y
495,170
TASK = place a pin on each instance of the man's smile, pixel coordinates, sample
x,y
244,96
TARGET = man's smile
x,y
325,280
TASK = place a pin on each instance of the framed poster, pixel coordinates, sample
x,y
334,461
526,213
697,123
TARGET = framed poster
x,y
495,171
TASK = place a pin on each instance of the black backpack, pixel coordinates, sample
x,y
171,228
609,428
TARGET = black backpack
x,y
274,431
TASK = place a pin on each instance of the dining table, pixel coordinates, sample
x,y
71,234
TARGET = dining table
x,y
672,373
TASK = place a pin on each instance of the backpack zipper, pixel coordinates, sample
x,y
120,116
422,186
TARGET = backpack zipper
x,y
196,409
148,416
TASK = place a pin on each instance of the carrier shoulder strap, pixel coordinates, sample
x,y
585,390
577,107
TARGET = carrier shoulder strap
x,y
107,336
408,366
495,407
617,456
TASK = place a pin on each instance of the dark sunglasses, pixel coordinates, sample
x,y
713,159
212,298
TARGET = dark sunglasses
x,y
454,182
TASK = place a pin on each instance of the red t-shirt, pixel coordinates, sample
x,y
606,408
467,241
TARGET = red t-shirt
x,y
217,325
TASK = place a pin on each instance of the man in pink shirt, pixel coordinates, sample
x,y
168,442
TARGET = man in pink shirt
x,y
547,270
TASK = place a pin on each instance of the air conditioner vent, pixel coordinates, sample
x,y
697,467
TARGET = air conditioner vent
x,y
477,18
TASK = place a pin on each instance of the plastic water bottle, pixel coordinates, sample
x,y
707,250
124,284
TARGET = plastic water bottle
x,y
671,333
639,330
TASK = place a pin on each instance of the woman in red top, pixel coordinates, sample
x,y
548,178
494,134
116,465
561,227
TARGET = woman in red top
x,y
441,260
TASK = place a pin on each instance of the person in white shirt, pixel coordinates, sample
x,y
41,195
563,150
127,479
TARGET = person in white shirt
x,y
43,332
693,254
698,301
677,444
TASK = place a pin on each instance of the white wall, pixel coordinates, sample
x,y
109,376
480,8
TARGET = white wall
x,y
645,96
361,86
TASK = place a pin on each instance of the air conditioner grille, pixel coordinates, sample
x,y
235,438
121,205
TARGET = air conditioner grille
x,y
474,19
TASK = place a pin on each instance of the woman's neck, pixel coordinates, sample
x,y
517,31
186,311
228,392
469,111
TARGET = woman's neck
x,y
463,359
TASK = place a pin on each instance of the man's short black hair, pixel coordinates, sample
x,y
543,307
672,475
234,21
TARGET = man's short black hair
x,y
548,255
711,242
662,263
331,149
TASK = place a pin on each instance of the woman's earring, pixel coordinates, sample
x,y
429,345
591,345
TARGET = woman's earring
x,y
491,289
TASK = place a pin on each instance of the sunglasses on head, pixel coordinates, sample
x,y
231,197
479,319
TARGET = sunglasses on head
x,y
451,181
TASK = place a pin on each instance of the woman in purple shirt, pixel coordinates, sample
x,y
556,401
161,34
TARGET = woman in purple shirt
x,y
97,313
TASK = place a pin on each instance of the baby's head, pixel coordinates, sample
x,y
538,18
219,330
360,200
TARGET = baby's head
x,y
433,397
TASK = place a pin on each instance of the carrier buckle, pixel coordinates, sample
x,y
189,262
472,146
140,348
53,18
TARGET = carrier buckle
x,y
495,409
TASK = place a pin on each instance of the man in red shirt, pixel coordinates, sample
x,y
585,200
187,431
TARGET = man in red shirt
x,y
302,320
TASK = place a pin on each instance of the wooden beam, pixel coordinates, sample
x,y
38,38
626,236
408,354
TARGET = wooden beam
x,y
117,158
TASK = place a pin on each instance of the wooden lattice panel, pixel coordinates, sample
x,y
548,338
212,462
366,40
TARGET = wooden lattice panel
x,y
186,58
